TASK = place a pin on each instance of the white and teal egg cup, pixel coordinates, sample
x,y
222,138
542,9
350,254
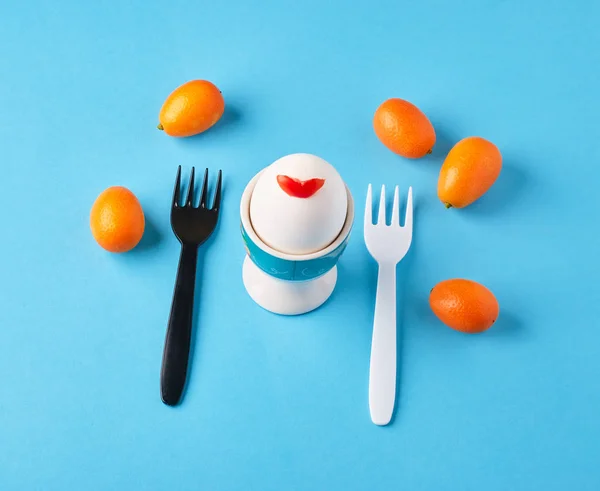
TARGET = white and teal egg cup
x,y
289,284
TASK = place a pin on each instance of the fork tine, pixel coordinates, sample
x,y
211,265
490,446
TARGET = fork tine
x,y
204,190
396,207
190,193
381,219
369,207
408,219
175,203
217,200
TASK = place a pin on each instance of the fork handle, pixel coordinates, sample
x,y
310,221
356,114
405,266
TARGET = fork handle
x,y
179,330
382,372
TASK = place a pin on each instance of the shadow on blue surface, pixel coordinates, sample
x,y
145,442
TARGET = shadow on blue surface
x,y
507,325
197,319
404,270
233,117
508,191
444,141
152,236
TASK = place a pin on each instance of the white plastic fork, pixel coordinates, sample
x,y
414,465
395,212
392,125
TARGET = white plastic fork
x,y
388,244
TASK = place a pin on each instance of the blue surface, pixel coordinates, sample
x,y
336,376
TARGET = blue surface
x,y
280,403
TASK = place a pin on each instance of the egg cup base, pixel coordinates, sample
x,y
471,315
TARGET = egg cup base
x,y
287,297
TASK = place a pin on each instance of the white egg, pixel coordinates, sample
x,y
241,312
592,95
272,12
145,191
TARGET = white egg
x,y
298,225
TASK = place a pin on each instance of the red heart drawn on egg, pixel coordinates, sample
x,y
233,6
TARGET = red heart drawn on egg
x,y
299,189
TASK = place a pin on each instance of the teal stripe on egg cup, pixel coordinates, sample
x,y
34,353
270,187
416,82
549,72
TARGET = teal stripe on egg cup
x,y
291,267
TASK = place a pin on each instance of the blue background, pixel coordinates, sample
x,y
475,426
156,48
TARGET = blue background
x,y
278,403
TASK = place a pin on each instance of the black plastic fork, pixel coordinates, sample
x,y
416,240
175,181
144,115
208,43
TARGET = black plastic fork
x,y
192,226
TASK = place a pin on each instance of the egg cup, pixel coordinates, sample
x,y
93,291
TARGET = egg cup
x,y
289,284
